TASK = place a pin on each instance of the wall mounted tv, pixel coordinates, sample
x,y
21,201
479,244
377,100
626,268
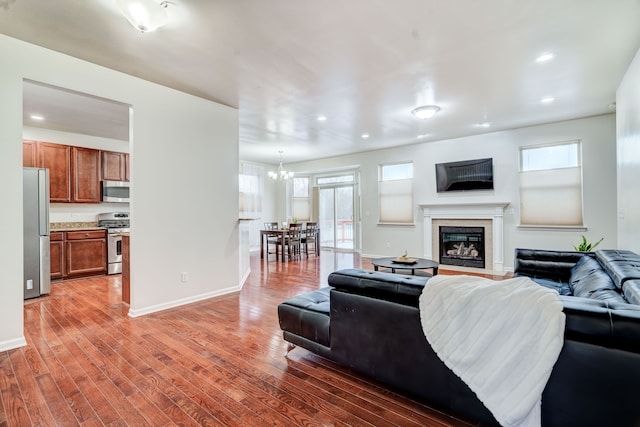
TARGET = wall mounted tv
x,y
464,176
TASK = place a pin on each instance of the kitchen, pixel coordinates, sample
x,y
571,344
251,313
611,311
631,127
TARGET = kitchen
x,y
82,141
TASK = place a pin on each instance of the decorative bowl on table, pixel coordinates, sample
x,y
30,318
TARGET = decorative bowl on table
x,y
404,259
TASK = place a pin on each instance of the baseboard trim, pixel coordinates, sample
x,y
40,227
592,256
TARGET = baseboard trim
x,y
245,278
12,344
183,301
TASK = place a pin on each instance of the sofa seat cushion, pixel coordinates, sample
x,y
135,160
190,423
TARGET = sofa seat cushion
x,y
561,287
589,280
307,315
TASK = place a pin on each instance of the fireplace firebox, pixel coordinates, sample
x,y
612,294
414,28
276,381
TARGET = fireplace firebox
x,y
462,246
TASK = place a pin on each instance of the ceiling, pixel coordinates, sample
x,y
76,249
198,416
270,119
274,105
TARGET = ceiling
x,y
361,64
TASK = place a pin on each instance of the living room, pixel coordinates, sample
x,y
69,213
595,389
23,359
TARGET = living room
x,y
197,141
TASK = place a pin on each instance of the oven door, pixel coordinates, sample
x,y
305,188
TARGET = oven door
x,y
114,253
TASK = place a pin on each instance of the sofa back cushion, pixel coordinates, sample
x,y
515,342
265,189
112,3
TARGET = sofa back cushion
x,y
547,264
631,291
621,265
589,280
403,289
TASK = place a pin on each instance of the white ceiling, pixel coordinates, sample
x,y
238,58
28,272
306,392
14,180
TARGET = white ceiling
x,y
364,64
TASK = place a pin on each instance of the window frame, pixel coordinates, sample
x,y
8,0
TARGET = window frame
x,y
398,182
579,213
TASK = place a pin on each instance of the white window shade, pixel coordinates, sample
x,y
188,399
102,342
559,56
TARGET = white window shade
x,y
551,197
300,209
396,201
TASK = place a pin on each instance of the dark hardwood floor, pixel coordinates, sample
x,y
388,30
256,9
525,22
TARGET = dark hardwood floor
x,y
216,362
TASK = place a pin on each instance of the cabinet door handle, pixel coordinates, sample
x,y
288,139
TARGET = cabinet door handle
x,y
86,234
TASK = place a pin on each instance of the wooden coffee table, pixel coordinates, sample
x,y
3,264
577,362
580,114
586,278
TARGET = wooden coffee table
x,y
420,264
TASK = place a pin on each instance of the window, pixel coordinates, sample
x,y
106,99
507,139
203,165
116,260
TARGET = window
x,y
395,189
300,208
324,180
551,185
250,183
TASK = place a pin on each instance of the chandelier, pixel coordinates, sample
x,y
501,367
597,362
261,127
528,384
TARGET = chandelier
x,y
280,174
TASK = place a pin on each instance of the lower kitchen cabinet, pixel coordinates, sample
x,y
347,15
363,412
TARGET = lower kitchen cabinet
x,y
57,254
78,253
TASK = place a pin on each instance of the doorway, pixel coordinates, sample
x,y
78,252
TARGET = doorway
x,y
336,217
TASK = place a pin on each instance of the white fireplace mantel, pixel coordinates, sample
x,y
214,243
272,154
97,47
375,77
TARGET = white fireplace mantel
x,y
492,211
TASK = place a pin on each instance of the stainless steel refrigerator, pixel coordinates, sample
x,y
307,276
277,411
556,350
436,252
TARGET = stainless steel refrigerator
x,y
37,261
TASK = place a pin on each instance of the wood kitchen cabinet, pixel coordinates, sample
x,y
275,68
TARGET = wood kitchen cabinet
x,y
85,253
115,166
56,158
57,254
29,154
74,172
85,169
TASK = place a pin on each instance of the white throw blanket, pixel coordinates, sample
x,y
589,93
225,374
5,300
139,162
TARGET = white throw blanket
x,y
501,338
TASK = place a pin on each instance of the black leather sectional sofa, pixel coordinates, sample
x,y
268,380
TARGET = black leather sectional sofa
x,y
370,322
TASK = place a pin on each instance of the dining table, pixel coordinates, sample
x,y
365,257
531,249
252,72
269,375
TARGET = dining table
x,y
281,233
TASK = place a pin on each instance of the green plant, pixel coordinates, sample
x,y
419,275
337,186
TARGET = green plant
x,y
585,246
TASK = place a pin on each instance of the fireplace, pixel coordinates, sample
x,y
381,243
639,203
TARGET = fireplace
x,y
462,246
489,215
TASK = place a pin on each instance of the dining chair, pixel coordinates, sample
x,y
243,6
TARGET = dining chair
x,y
310,237
293,240
272,239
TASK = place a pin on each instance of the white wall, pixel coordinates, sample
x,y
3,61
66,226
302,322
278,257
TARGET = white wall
x,y
182,149
599,176
78,212
628,129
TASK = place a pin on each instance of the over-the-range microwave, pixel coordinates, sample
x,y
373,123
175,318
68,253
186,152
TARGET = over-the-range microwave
x,y
115,191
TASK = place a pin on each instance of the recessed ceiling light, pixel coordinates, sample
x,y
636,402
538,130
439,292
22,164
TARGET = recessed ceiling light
x,y
36,117
425,112
424,135
365,135
544,57
547,99
484,124
321,118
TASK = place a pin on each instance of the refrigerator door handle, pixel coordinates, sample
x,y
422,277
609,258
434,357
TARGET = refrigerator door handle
x,y
45,265
43,201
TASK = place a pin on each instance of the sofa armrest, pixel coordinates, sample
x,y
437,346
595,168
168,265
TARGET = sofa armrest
x,y
548,264
399,288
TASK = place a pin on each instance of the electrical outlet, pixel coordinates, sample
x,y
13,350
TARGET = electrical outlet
x,y
184,277
30,284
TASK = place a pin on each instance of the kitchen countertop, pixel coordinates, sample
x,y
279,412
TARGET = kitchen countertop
x,y
74,226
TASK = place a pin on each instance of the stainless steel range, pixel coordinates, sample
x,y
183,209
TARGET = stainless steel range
x,y
116,224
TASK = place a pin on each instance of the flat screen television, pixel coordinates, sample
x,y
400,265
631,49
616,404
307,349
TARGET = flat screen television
x,y
465,175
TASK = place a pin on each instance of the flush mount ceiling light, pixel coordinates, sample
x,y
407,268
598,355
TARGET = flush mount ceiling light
x,y
280,174
425,112
545,57
144,15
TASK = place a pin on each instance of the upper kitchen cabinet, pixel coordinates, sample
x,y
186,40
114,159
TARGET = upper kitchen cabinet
x,y
74,172
56,158
29,154
86,175
115,166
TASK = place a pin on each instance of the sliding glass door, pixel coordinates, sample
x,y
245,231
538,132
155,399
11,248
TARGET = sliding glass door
x,y
336,217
